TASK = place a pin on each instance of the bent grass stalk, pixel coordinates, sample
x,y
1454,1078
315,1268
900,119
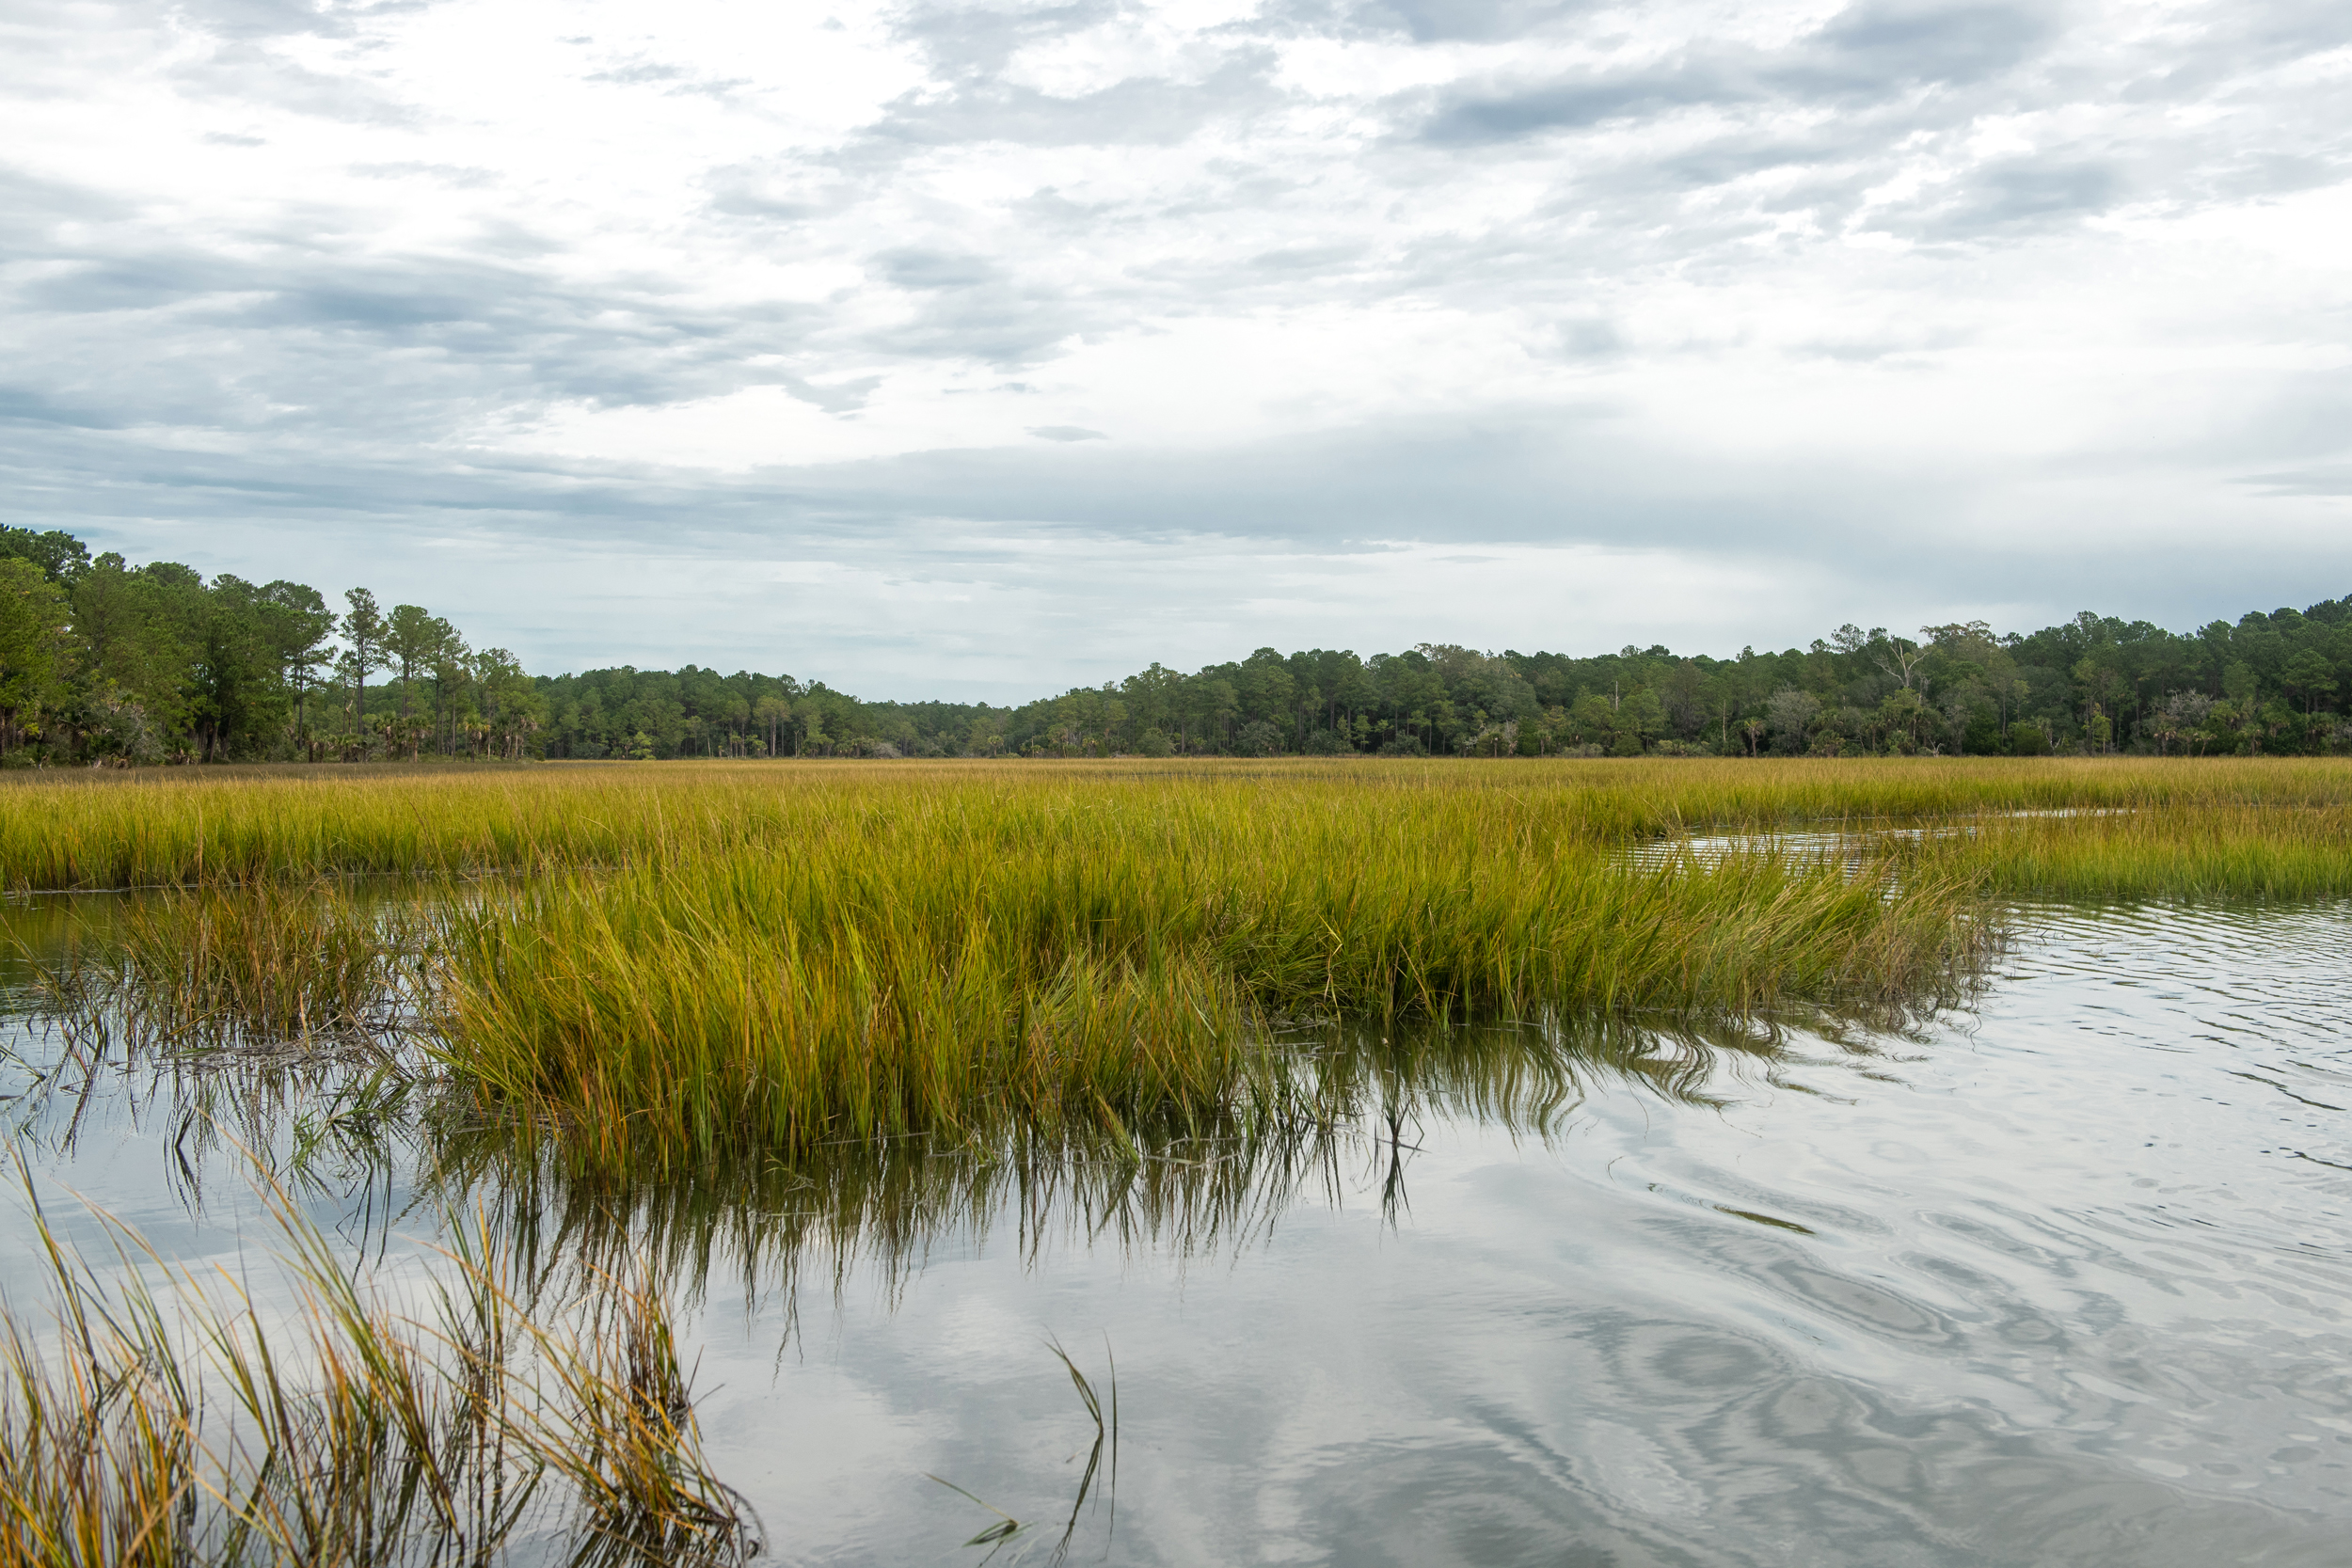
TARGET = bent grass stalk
x,y
1008,1529
172,1426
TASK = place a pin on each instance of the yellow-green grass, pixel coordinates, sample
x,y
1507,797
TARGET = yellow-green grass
x,y
182,827
715,961
1106,955
2203,851
271,966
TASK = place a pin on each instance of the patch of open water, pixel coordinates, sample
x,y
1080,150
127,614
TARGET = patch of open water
x,y
2062,1280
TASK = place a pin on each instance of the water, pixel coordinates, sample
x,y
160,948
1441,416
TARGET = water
x,y
2062,1278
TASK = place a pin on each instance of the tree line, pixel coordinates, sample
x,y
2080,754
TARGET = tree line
x,y
106,662
102,661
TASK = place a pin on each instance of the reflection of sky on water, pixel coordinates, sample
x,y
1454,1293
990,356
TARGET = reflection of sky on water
x,y
2061,1281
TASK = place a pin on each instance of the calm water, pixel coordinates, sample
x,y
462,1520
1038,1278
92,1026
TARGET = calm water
x,y
2063,1278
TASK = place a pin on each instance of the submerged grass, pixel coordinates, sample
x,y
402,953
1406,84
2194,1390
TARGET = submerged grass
x,y
169,1425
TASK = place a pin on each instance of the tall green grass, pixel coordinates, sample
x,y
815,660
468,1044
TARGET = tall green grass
x,y
187,827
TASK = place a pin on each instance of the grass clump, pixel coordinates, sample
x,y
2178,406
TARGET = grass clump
x,y
269,968
1077,960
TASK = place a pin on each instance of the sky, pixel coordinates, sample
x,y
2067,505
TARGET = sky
x,y
982,350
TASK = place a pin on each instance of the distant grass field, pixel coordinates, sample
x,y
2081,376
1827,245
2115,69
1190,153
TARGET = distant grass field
x,y
704,961
2246,849
184,827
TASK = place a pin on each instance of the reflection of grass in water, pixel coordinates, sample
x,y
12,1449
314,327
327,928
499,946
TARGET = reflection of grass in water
x,y
1348,1110
1315,1098
270,1016
173,1426
188,826
334,1122
1356,1106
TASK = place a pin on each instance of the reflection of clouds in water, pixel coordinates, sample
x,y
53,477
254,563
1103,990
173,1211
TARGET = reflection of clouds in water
x,y
1346,1127
1998,1346
2066,1288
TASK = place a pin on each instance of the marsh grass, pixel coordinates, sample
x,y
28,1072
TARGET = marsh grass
x,y
758,1014
2223,851
270,969
994,950
719,961
964,959
165,1418
189,827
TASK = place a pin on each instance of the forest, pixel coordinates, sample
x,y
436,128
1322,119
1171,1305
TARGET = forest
x,y
107,663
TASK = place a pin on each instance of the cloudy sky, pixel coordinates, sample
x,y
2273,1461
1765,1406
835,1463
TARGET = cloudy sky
x,y
983,349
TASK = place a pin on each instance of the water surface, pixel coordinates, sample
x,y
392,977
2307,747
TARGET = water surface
x,y
2061,1279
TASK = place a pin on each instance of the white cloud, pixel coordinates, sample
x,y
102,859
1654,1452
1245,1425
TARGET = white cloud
x,y
2056,281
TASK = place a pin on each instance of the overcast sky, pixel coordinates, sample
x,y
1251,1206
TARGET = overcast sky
x,y
981,350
